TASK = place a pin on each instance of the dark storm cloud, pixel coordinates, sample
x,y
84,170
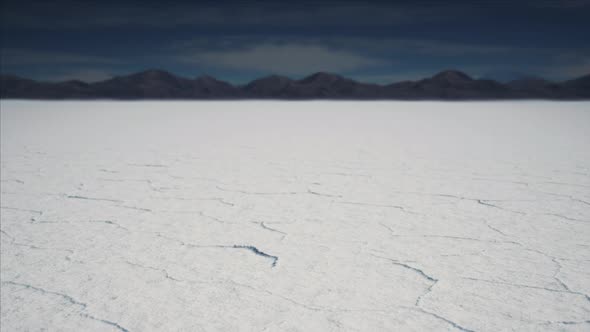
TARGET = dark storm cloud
x,y
239,40
84,14
80,14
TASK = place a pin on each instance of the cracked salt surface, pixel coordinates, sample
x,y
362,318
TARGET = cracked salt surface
x,y
303,216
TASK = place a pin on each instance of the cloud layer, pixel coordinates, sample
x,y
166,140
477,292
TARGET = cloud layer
x,y
289,59
240,40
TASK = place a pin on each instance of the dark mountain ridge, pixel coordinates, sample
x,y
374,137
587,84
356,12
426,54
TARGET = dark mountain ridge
x,y
159,84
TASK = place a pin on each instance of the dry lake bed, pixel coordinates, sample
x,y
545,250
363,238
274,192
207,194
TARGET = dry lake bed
x,y
295,216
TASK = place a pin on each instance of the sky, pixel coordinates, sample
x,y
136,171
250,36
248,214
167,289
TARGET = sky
x,y
237,41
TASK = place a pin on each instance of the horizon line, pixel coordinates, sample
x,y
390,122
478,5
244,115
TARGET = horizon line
x,y
206,75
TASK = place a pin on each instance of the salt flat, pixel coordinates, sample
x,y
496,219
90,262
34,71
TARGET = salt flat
x,y
298,216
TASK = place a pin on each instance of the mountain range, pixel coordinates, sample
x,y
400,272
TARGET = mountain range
x,y
158,84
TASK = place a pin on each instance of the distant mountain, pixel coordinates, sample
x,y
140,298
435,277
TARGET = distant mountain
x,y
147,84
505,76
316,86
537,87
331,86
208,87
18,87
579,87
269,87
158,84
450,84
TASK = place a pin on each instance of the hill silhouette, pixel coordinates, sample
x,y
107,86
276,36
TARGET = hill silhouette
x,y
159,84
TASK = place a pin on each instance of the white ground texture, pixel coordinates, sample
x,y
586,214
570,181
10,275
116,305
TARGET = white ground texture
x,y
295,216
